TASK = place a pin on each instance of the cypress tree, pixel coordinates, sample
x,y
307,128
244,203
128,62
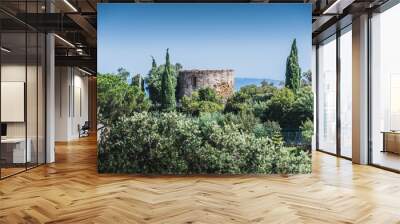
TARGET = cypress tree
x,y
153,63
293,71
142,85
154,92
167,89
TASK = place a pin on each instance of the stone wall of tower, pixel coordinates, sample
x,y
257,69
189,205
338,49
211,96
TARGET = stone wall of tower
x,y
220,80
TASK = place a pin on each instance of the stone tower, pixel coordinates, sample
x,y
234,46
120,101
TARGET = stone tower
x,y
222,81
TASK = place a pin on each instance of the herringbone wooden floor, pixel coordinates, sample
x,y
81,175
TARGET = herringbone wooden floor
x,y
71,191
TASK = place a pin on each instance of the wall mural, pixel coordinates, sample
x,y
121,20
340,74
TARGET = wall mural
x,y
204,88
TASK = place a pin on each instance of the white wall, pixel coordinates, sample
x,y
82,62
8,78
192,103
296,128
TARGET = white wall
x,y
17,72
33,126
80,112
71,102
62,82
14,72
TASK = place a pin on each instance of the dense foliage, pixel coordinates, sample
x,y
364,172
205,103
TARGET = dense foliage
x,y
172,143
290,109
116,98
138,81
154,80
268,103
268,129
250,98
248,132
307,131
204,100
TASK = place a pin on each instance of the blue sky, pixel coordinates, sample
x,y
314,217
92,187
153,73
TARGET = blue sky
x,y
252,39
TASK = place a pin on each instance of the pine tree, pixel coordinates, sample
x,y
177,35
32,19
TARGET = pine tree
x,y
293,71
168,102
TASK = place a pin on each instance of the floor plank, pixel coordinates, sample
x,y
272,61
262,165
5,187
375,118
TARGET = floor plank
x,y
71,191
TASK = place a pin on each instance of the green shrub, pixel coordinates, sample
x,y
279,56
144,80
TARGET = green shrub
x,y
279,108
116,98
208,94
244,121
172,143
259,109
204,100
307,131
290,109
250,98
267,129
287,107
218,118
292,160
303,108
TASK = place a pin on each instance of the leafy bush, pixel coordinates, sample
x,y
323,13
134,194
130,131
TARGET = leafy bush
x,y
116,98
204,100
303,108
290,109
269,103
292,160
307,131
248,97
217,118
208,94
172,143
279,107
259,109
244,121
267,129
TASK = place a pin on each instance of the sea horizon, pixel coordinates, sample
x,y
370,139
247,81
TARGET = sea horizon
x,y
245,81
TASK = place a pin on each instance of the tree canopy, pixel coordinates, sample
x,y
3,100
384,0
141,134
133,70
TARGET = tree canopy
x,y
154,80
116,98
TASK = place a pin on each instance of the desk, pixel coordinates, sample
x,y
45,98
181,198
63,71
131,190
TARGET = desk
x,y
391,141
13,150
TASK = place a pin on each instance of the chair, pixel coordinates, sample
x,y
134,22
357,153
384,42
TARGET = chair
x,y
84,130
